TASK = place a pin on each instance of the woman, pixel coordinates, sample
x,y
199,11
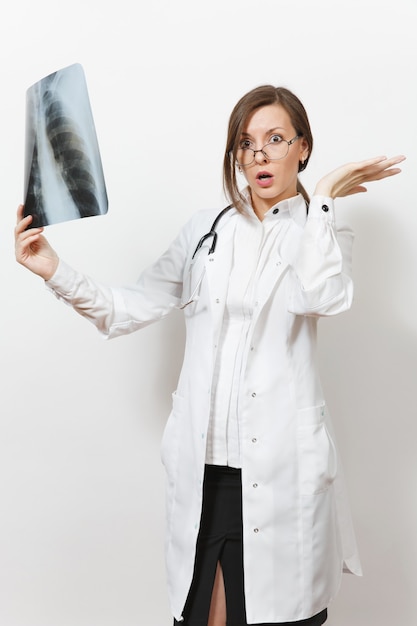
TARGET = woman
x,y
253,479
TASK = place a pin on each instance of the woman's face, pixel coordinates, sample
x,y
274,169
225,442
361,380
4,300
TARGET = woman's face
x,y
271,181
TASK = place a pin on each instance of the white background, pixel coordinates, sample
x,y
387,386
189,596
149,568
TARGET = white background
x,y
81,485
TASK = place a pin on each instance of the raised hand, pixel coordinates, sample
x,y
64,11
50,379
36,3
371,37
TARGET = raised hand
x,y
350,178
32,249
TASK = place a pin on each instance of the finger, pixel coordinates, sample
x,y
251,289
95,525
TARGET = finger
x,y
388,165
384,174
382,163
23,235
392,171
357,189
21,215
24,244
397,159
378,171
22,224
387,173
369,162
20,210
31,234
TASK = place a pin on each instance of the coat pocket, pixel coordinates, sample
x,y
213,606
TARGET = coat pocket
x,y
317,456
193,279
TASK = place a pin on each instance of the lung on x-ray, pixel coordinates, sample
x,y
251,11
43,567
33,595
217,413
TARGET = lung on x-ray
x,y
64,177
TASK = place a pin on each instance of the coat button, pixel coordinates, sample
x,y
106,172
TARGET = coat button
x,y
255,485
275,211
254,440
325,208
254,395
256,530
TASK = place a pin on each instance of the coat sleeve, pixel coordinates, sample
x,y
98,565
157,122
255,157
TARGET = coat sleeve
x,y
119,311
322,267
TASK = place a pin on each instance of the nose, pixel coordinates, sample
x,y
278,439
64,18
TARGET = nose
x,y
260,156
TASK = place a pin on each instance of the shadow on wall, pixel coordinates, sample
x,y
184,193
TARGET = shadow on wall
x,y
369,364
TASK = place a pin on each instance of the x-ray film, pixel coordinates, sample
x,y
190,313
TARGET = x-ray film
x,y
63,171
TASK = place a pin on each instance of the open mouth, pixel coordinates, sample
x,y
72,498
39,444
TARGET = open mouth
x,y
264,179
263,176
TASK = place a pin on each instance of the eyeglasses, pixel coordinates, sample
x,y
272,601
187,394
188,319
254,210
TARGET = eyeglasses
x,y
274,150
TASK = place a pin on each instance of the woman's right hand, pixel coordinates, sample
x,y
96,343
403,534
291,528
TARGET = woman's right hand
x,y
33,249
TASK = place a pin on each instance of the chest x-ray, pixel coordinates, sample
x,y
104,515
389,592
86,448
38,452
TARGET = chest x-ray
x,y
63,172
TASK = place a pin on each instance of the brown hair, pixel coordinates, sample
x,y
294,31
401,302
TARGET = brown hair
x,y
255,99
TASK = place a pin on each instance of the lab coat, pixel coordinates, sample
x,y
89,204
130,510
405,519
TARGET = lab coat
x,y
297,530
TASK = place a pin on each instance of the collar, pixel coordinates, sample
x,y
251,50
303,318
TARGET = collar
x,y
295,206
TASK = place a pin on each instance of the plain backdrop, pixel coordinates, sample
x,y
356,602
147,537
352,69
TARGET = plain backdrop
x,y
81,484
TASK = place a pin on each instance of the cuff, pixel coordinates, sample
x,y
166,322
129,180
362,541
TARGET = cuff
x,y
322,208
63,278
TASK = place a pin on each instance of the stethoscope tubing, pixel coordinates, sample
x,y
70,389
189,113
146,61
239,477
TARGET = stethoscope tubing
x,y
211,233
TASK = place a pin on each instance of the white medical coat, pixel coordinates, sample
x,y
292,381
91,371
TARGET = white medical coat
x,y
297,530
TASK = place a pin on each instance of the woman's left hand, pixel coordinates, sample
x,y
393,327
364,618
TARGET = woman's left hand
x,y
349,179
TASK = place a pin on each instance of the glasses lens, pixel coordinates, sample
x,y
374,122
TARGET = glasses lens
x,y
276,150
245,156
273,151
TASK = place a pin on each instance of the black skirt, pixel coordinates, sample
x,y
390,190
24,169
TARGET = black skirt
x,y
220,540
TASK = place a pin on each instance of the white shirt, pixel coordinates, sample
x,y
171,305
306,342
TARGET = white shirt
x,y
253,244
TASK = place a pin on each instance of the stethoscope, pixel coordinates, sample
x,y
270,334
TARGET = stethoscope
x,y
213,234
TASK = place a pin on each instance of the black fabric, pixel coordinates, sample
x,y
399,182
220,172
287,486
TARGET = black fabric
x,y
220,540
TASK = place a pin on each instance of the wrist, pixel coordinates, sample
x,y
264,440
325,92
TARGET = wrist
x,y
47,275
323,189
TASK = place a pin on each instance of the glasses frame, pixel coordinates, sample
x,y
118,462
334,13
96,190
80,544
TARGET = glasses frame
x,y
289,143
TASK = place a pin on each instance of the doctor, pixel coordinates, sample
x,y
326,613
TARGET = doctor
x,y
254,491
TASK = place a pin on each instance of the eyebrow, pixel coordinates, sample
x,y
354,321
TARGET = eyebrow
x,y
268,132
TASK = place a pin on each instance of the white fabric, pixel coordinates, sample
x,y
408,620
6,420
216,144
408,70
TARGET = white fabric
x,y
296,522
253,244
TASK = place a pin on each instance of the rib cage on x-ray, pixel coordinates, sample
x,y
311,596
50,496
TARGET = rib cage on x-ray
x,y
65,179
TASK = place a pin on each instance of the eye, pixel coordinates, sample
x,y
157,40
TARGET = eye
x,y
275,139
245,144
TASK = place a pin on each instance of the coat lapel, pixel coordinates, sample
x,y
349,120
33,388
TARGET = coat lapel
x,y
218,266
282,258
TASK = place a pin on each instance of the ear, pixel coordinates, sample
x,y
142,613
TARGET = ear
x,y
241,171
304,150
303,155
